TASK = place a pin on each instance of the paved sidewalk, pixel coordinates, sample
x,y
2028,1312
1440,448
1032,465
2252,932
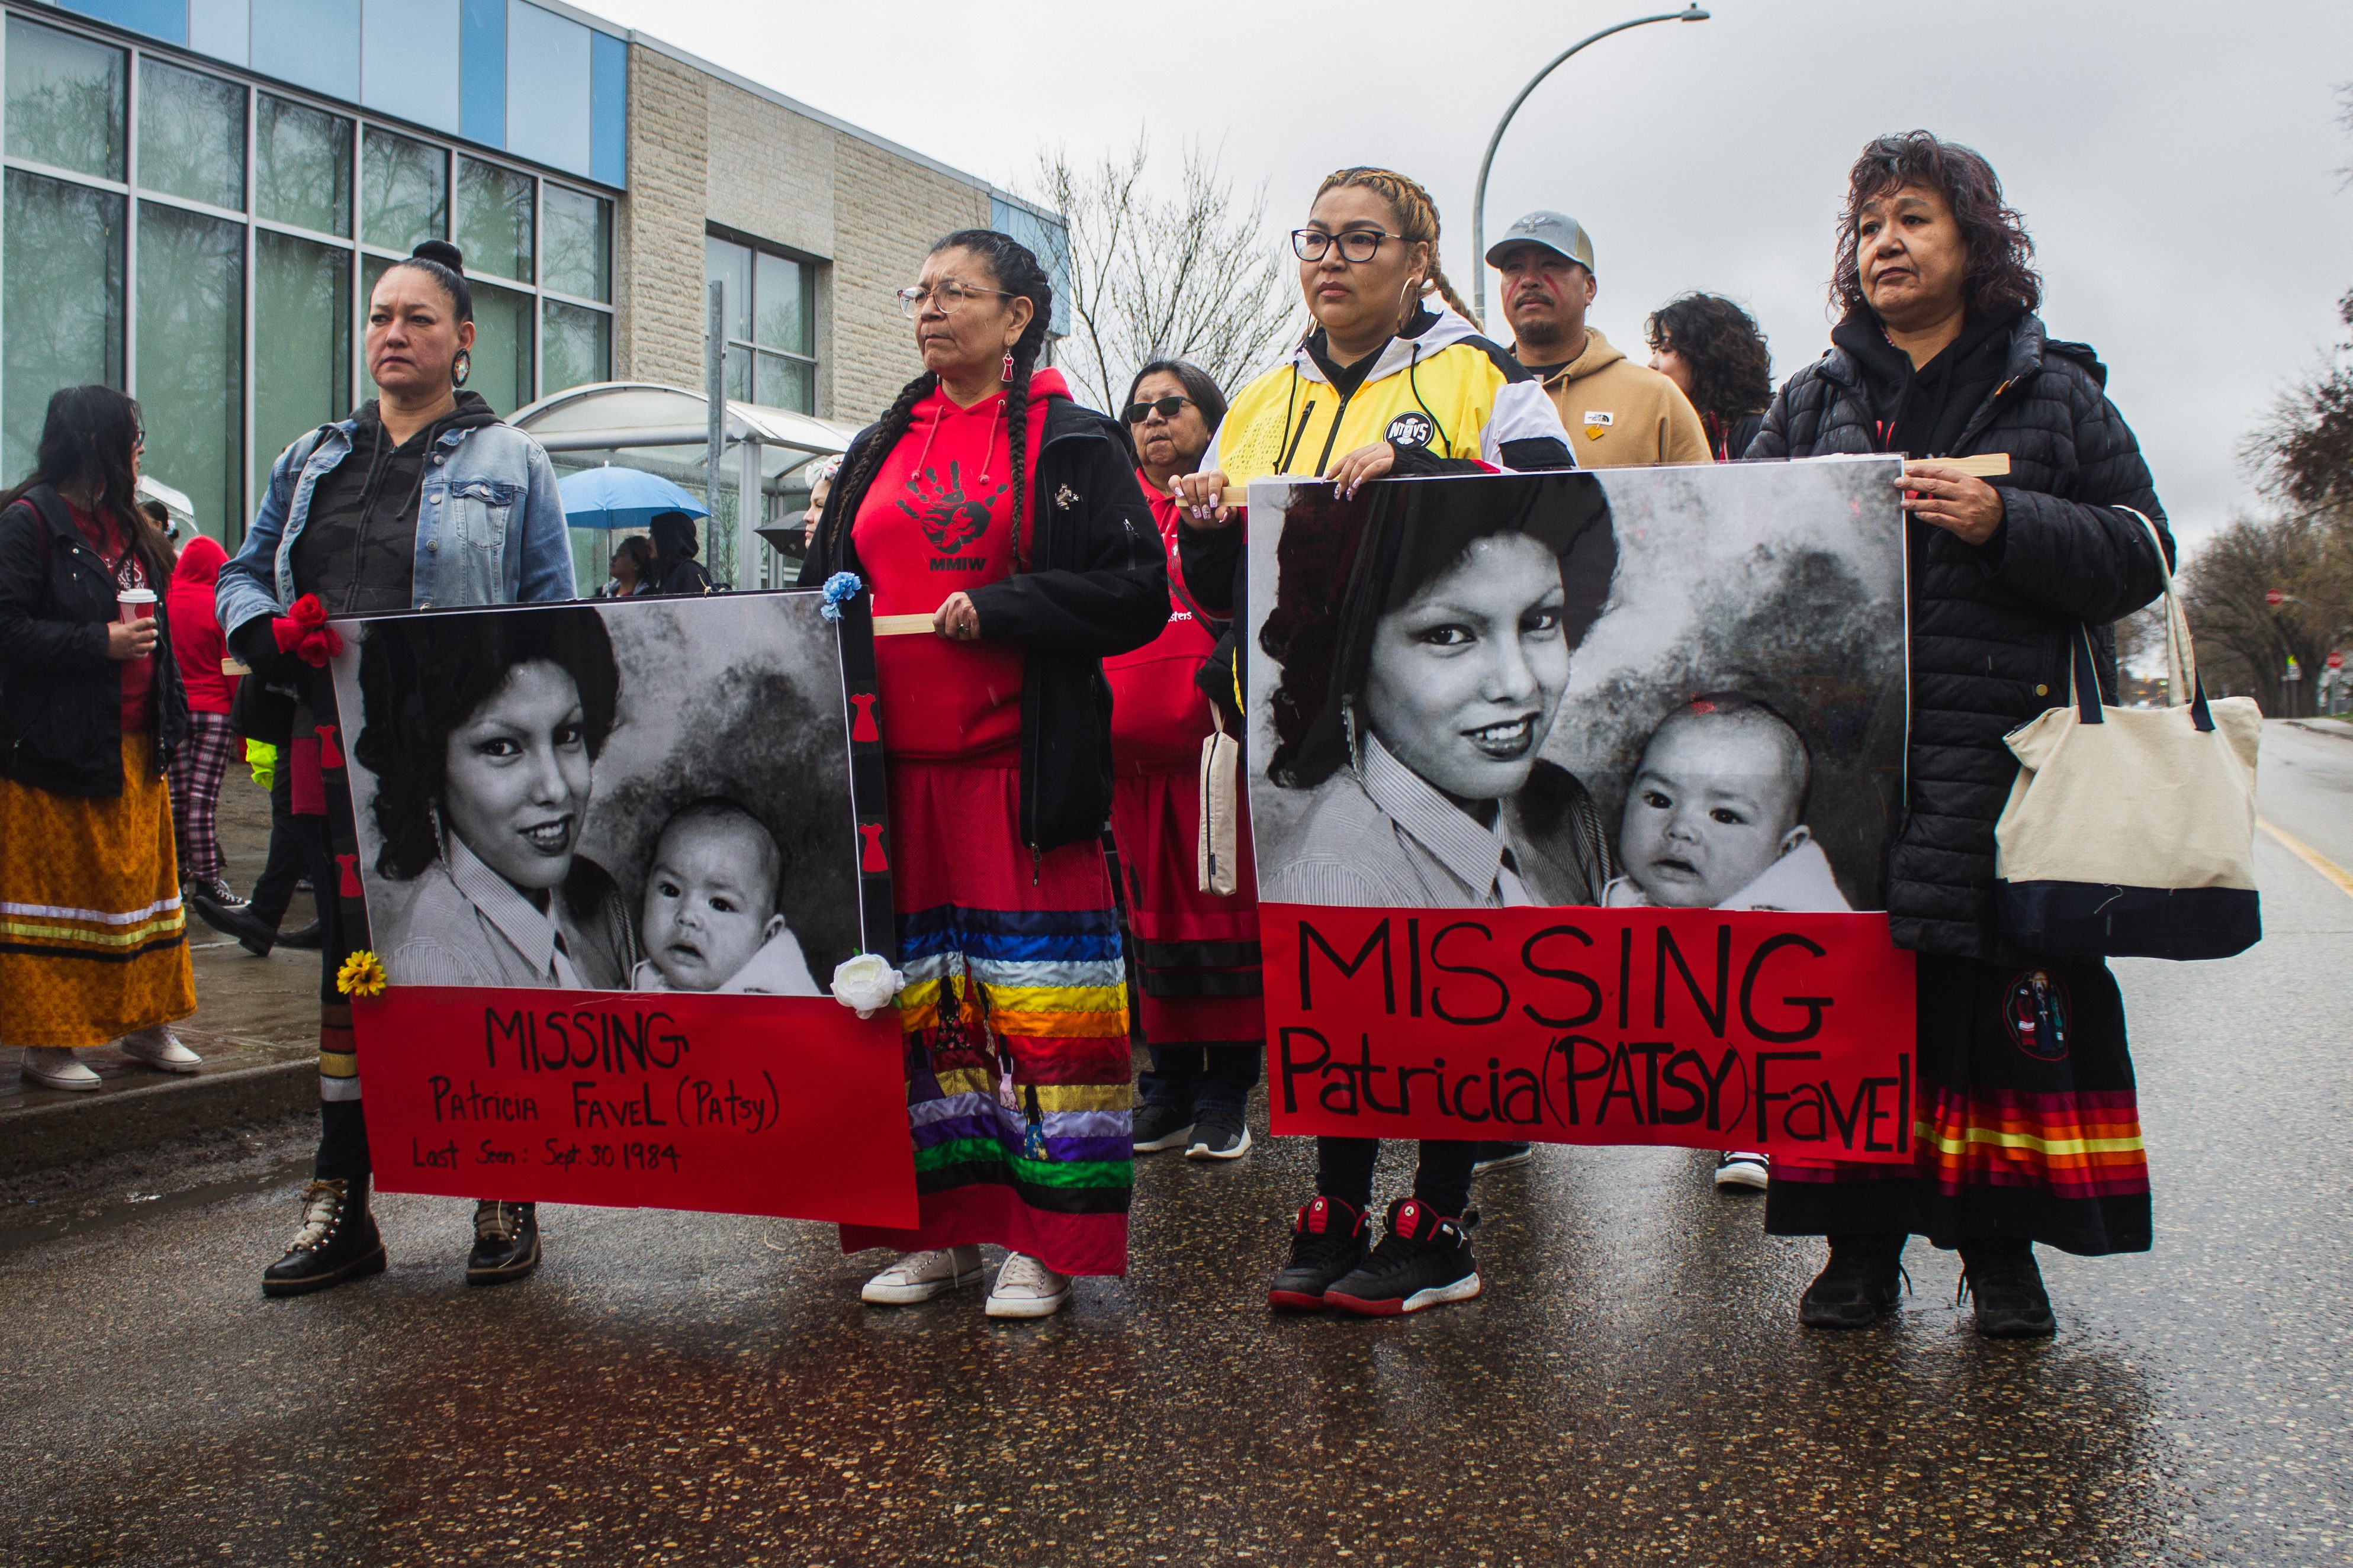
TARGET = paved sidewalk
x,y
256,1026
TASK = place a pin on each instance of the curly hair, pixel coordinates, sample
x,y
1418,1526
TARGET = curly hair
x,y
1731,368
1336,576
1417,220
421,680
2001,277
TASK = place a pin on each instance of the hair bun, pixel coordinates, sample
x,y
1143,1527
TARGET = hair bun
x,y
442,251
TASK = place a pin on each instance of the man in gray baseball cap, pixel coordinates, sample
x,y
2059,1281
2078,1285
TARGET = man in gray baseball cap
x,y
1617,413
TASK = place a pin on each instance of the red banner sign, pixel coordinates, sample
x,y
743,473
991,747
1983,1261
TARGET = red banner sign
x,y
1789,1034
732,1104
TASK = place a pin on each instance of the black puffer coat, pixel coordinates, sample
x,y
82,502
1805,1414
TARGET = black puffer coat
x,y
1990,622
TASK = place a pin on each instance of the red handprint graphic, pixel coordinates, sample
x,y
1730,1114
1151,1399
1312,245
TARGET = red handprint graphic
x,y
950,518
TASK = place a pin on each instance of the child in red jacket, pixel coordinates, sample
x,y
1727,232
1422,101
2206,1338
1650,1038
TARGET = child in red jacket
x,y
198,767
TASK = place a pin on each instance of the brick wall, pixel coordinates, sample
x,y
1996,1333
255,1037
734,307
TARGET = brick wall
x,y
658,236
704,149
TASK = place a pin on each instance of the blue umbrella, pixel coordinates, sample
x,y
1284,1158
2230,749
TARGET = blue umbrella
x,y
622,497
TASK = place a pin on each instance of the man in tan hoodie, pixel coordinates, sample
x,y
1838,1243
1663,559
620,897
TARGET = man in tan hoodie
x,y
1619,413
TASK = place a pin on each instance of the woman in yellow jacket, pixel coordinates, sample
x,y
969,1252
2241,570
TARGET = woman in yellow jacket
x,y
1393,379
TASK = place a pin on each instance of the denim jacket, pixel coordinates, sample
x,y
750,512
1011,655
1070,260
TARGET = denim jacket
x,y
490,525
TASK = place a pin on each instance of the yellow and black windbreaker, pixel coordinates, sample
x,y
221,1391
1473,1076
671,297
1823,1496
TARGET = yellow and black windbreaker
x,y
1438,388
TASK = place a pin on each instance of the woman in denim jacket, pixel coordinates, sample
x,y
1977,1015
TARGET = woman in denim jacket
x,y
422,499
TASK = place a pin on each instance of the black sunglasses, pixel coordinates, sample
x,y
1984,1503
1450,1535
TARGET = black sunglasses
x,y
1168,407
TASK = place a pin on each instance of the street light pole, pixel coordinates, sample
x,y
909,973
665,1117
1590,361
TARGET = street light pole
x,y
1690,13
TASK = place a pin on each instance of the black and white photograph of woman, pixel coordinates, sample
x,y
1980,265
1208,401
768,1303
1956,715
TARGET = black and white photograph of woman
x,y
649,794
1423,659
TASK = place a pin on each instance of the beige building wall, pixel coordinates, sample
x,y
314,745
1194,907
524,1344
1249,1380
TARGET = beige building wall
x,y
707,150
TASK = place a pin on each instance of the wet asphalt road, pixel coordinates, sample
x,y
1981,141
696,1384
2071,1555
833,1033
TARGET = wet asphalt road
x,y
1633,1389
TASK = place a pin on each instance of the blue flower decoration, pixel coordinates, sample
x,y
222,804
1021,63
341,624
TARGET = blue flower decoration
x,y
839,589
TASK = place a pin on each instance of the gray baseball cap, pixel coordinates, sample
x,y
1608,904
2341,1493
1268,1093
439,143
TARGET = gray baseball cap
x,y
1556,232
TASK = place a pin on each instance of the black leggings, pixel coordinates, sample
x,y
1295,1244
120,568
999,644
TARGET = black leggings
x,y
1343,1169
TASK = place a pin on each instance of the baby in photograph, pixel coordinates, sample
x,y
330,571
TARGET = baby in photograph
x,y
1716,817
711,919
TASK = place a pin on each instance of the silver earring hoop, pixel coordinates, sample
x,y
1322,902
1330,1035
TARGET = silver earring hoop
x,y
460,368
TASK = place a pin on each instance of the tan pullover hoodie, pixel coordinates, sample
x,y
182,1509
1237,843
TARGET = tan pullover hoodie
x,y
1621,414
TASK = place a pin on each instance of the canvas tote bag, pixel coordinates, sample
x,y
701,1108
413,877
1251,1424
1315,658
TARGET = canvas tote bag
x,y
2130,832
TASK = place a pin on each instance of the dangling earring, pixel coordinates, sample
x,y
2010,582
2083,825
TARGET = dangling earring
x,y
1009,367
460,368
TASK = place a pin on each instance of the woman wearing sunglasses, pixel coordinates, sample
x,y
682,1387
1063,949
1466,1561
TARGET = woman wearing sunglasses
x,y
1196,950
1392,378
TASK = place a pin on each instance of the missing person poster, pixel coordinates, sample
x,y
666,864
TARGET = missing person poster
x,y
611,854
1571,794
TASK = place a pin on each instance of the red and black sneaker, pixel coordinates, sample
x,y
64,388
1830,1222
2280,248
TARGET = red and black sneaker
x,y
1424,1261
1327,1240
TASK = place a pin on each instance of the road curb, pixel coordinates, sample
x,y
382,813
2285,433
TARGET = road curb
x,y
59,1133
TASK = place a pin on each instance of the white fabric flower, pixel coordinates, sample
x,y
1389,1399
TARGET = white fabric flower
x,y
866,983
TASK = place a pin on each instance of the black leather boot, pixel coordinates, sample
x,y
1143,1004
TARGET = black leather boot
x,y
506,1242
338,1241
2006,1285
1862,1283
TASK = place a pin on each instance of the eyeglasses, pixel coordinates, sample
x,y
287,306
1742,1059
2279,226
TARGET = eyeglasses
x,y
1167,407
950,296
1358,245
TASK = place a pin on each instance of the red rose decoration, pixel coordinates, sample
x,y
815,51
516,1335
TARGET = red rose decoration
x,y
303,631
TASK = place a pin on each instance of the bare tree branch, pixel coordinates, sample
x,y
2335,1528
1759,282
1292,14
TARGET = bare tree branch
x,y
1189,276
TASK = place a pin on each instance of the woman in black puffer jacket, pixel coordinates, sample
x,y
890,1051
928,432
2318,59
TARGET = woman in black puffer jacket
x,y
2026,1121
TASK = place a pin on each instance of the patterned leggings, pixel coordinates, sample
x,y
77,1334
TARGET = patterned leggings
x,y
195,775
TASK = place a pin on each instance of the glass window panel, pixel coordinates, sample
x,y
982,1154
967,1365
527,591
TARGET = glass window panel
x,y
723,259
304,166
575,346
739,372
787,383
548,73
302,343
221,28
191,357
482,73
165,19
783,295
404,191
62,264
191,135
409,64
494,222
502,372
314,44
65,100
579,242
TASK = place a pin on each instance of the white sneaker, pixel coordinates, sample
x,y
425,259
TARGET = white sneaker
x,y
160,1049
920,1276
53,1067
1742,1169
1028,1288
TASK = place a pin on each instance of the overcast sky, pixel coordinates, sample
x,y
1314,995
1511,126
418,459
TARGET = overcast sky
x,y
2175,163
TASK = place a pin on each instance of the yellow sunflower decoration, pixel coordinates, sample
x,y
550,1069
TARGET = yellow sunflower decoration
x,y
361,976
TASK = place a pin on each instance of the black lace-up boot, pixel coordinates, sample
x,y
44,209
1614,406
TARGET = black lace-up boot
x,y
338,1241
1863,1282
506,1242
2003,1281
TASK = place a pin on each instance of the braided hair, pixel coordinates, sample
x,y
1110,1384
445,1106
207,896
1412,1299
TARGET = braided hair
x,y
1417,220
1015,269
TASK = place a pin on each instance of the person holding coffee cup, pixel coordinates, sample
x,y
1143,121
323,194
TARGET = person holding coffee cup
x,y
90,718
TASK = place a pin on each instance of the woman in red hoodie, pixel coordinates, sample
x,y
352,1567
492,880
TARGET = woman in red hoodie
x,y
203,760
1196,950
985,501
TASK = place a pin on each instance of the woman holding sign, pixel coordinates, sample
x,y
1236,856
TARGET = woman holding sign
x,y
1392,378
423,499
91,709
1004,519
2028,1130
